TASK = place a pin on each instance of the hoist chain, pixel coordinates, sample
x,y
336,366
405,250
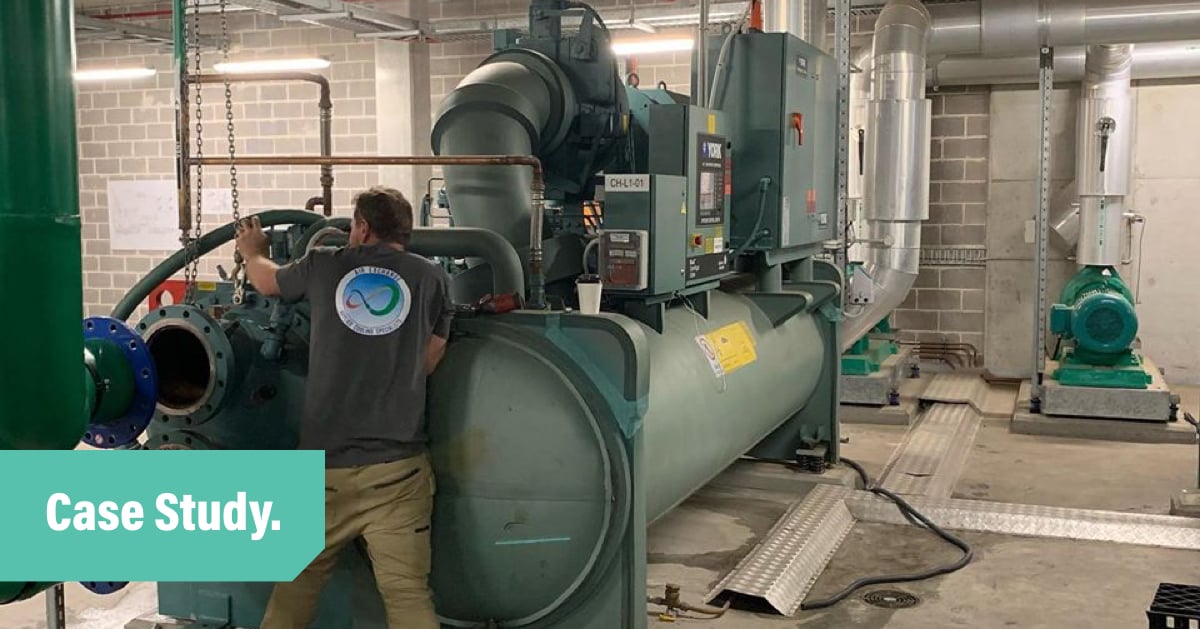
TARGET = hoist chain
x,y
239,280
191,241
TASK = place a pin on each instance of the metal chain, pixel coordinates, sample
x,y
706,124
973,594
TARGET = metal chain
x,y
191,270
239,281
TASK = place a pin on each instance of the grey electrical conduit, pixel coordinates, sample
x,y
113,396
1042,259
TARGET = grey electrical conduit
x,y
457,241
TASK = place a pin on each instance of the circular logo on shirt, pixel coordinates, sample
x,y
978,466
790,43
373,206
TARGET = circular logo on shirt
x,y
373,301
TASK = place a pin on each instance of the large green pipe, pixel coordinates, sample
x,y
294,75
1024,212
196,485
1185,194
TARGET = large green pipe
x,y
207,243
508,277
40,263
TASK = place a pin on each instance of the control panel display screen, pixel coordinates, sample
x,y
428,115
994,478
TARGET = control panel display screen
x,y
711,181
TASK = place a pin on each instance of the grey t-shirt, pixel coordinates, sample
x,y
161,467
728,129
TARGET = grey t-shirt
x,y
374,309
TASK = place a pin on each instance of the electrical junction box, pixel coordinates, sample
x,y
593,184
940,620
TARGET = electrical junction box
x,y
625,259
650,228
781,103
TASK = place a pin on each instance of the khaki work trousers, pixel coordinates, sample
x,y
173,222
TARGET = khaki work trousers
x,y
389,506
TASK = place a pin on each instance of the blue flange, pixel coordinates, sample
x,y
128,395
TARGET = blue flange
x,y
125,429
104,587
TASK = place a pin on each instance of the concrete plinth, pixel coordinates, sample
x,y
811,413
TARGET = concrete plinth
x,y
1150,404
902,414
1138,430
1186,503
879,388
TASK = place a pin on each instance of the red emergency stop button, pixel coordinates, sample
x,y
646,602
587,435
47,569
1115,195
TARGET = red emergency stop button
x,y
697,241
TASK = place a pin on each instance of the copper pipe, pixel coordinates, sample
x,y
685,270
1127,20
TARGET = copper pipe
x,y
325,104
381,160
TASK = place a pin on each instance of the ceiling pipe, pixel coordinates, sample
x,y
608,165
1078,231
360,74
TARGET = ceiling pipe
x,y
896,182
1157,60
998,28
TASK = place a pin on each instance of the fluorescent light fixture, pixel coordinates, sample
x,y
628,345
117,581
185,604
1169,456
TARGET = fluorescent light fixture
x,y
630,48
271,65
113,74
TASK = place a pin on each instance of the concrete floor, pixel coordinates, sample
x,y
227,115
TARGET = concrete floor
x,y
1013,582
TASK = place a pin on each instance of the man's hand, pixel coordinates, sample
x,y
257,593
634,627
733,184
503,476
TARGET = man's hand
x,y
254,245
252,241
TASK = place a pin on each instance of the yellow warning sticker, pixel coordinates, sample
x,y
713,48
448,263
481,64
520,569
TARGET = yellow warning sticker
x,y
712,123
206,286
729,348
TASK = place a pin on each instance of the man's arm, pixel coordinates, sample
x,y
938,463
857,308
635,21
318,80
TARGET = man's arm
x,y
254,245
440,313
434,353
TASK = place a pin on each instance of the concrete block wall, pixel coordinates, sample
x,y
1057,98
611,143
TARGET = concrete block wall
x,y
947,302
126,131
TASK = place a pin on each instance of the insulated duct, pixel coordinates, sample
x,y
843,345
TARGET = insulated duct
x,y
896,183
997,28
1103,153
506,105
803,18
1157,60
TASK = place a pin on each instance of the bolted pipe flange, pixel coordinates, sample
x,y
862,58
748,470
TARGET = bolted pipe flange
x,y
180,440
195,362
124,429
104,587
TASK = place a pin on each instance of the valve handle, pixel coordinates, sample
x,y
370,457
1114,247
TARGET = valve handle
x,y
862,150
1105,127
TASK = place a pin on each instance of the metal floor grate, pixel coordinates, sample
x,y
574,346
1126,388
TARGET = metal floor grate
x,y
956,388
1141,529
781,570
931,457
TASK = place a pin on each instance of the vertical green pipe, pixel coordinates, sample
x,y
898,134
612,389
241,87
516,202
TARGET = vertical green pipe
x,y
41,393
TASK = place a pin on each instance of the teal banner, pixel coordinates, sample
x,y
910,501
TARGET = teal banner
x,y
168,515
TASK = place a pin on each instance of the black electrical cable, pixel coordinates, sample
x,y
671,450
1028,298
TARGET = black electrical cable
x,y
592,11
764,185
912,514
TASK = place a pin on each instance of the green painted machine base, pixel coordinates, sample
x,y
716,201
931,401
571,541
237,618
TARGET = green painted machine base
x,y
1127,373
868,355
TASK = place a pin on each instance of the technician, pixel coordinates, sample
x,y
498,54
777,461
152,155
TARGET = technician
x,y
380,320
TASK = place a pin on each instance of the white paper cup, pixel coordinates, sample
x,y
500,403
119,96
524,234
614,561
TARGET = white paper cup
x,y
590,288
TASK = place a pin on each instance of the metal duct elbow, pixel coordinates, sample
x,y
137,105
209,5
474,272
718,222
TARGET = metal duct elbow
x,y
896,186
506,106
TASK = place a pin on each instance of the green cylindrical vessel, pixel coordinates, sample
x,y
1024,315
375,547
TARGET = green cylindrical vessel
x,y
533,474
40,266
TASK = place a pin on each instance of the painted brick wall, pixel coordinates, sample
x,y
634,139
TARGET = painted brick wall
x,y
947,303
126,131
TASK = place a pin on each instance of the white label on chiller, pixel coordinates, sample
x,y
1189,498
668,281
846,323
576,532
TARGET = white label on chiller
x,y
718,245
618,237
626,183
